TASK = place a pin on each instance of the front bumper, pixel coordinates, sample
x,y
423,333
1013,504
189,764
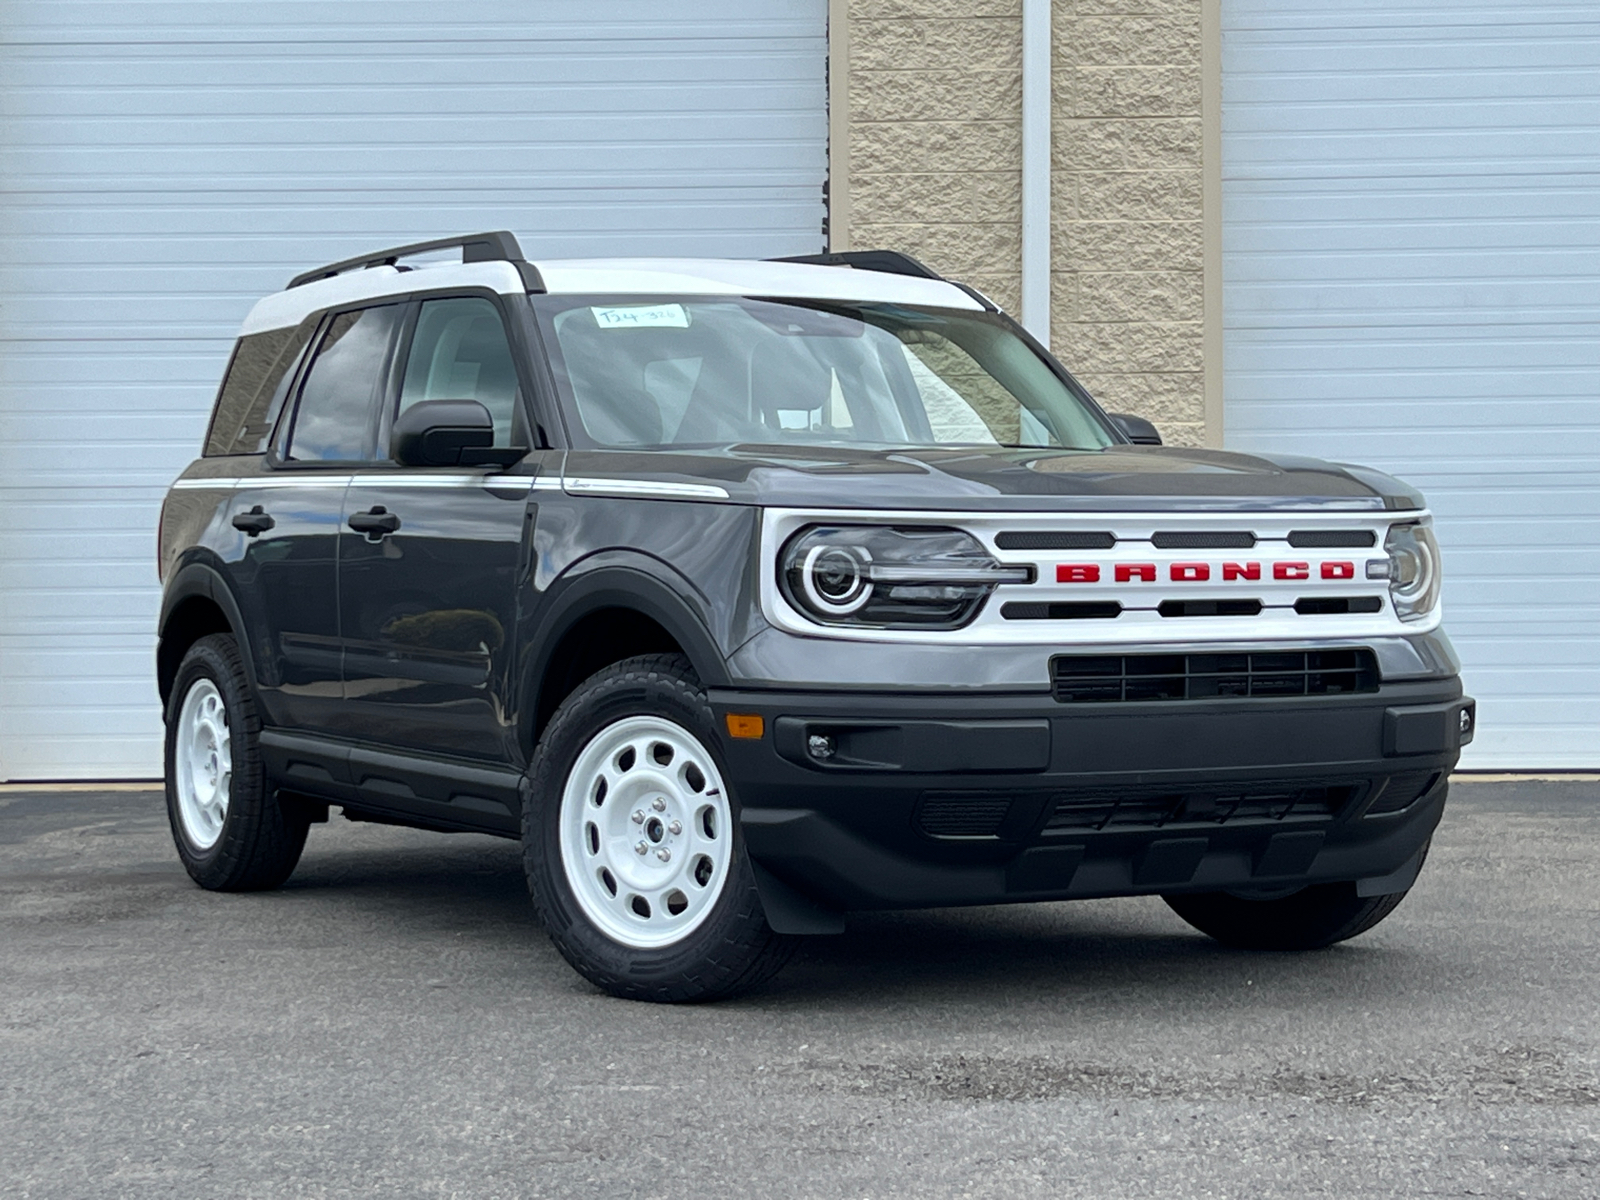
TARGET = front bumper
x,y
946,799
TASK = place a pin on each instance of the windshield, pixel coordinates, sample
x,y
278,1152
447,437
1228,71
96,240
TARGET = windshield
x,y
709,371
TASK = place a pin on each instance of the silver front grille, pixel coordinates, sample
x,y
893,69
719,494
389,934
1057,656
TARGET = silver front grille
x,y
1099,579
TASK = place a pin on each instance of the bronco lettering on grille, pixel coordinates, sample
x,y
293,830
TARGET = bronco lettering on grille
x,y
1200,572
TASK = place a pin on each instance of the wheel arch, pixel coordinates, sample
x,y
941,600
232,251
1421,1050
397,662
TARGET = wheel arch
x,y
603,616
197,602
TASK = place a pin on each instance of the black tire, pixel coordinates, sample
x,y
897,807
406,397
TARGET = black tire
x,y
1309,919
733,949
259,843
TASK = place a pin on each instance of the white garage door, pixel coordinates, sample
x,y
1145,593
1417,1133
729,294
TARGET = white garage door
x,y
1411,207
162,165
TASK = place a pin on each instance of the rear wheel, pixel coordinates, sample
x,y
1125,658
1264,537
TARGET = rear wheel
x,y
1308,919
231,834
632,846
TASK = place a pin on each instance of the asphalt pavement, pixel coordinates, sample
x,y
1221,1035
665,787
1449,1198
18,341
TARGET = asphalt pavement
x,y
393,1023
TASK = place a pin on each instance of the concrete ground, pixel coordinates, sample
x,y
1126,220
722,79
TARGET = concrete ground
x,y
393,1023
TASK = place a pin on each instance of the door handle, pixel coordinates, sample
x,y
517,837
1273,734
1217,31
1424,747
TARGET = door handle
x,y
375,522
253,522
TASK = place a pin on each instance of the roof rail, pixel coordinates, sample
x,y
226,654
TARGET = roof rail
x,y
498,246
891,262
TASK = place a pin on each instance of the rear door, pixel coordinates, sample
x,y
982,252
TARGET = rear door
x,y
288,579
429,602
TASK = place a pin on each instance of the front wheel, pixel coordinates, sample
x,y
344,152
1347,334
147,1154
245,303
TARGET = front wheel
x,y
1308,919
632,846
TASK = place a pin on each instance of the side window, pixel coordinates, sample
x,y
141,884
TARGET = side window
x,y
334,419
252,393
459,352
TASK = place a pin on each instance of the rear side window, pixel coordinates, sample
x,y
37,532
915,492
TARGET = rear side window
x,y
333,422
252,392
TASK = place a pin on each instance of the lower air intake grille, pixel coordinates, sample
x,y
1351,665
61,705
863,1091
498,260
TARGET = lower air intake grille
x,y
1073,813
963,816
1402,791
1104,678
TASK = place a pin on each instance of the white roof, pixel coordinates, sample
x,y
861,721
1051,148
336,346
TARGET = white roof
x,y
746,277
617,277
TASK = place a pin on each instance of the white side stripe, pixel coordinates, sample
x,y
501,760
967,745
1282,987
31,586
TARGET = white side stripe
x,y
262,481
653,488
503,482
273,482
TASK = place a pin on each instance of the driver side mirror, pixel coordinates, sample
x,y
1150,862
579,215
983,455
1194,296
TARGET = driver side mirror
x,y
1136,429
449,433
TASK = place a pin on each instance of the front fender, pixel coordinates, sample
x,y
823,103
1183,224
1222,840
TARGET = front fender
x,y
624,579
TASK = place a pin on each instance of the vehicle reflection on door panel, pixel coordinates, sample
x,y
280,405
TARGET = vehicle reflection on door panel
x,y
426,611
293,569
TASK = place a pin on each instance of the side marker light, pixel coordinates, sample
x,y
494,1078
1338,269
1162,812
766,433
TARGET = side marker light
x,y
745,725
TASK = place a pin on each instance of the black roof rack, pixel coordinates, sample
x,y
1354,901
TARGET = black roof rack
x,y
890,262
498,246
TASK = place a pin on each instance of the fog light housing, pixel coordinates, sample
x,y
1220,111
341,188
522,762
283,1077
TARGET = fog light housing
x,y
820,746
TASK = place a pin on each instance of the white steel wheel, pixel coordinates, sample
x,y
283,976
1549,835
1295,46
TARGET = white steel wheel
x,y
203,764
646,832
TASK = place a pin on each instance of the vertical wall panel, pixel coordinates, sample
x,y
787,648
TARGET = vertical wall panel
x,y
163,165
1411,208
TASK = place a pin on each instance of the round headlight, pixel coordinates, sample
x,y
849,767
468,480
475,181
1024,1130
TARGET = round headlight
x,y
1413,570
890,576
1407,569
834,578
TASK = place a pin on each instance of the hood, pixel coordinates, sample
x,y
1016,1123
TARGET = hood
x,y
1127,478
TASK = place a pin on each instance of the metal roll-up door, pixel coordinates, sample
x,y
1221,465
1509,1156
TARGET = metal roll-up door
x,y
164,165
1411,242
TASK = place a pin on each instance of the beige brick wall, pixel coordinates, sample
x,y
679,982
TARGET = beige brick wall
x,y
935,136
935,169
1127,271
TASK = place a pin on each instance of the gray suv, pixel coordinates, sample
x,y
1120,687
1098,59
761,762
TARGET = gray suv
x,y
748,594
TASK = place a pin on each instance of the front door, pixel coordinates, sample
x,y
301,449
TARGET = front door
x,y
431,557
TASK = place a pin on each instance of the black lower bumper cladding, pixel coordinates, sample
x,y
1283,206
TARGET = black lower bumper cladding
x,y
879,801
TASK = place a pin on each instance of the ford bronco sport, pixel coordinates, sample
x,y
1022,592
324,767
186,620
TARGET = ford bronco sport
x,y
747,594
